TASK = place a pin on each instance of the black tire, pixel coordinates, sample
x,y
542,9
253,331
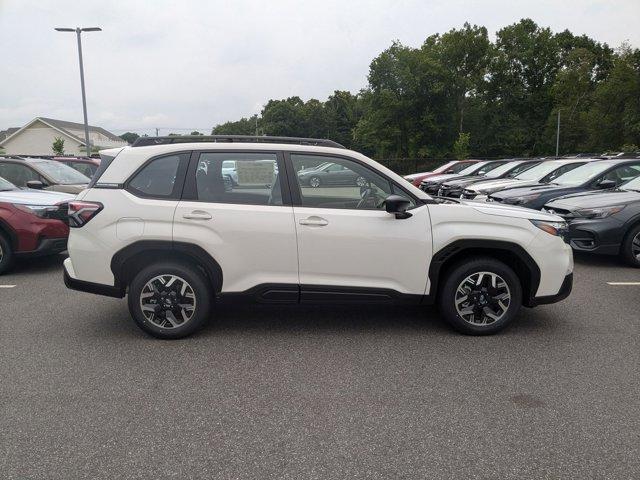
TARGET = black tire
x,y
315,182
470,267
626,251
6,254
202,292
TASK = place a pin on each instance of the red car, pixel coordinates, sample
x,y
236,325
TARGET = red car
x,y
32,223
85,165
450,167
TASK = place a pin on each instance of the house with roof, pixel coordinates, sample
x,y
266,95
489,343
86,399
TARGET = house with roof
x,y
37,136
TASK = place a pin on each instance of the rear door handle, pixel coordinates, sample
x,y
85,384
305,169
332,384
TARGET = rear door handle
x,y
197,215
314,221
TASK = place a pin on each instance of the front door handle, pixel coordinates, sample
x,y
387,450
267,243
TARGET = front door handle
x,y
197,215
314,221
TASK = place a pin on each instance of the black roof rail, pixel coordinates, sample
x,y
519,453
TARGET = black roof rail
x,y
317,142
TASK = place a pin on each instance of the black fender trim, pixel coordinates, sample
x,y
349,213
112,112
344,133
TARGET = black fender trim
x,y
479,246
119,262
10,233
90,287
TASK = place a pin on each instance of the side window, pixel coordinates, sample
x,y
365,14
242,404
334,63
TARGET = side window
x,y
84,168
340,183
458,167
622,174
18,174
239,178
157,179
560,171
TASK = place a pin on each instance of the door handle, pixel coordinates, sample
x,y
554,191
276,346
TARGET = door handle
x,y
314,221
197,215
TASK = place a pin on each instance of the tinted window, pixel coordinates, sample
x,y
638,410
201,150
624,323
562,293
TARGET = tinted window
x,y
6,185
239,178
87,169
341,183
458,167
158,177
486,168
622,174
18,174
60,173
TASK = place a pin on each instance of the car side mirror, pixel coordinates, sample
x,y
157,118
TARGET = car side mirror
x,y
605,184
35,184
398,206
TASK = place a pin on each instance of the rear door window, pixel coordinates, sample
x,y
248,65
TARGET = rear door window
x,y
161,178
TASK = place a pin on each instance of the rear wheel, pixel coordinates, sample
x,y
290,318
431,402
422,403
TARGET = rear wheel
x,y
314,182
631,247
170,300
6,254
480,296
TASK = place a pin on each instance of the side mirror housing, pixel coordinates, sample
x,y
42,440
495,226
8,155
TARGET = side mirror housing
x,y
606,184
35,184
397,205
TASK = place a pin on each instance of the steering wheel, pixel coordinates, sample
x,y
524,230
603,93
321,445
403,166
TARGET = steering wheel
x,y
368,195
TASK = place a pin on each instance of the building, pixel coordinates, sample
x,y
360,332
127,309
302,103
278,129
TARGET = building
x,y
37,137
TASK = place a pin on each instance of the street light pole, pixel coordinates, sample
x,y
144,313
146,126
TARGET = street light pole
x,y
558,136
79,31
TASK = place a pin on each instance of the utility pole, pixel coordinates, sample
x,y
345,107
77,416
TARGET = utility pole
x,y
78,31
157,131
558,136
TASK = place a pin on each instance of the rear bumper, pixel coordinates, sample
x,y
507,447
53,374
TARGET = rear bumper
x,y
89,287
564,292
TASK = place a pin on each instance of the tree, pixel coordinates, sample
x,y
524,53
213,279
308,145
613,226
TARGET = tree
x,y
129,137
244,126
461,146
58,146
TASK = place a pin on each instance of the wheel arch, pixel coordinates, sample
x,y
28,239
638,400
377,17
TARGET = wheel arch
x,y
9,234
509,253
128,261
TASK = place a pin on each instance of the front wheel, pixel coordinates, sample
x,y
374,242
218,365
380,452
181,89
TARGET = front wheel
x,y
6,254
170,300
630,250
480,296
314,182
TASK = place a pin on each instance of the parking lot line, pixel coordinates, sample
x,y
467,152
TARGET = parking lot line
x,y
7,286
623,283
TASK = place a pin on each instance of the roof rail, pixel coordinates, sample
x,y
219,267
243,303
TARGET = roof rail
x,y
318,142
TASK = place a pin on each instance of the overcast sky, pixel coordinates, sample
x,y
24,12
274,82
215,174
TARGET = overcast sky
x,y
192,64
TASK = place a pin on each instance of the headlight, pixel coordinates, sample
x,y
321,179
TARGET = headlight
x,y
42,211
558,229
601,212
524,198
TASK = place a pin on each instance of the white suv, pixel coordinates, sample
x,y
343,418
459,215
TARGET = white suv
x,y
160,224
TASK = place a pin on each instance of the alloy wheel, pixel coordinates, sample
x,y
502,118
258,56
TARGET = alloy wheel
x,y
361,181
482,298
635,247
314,182
168,301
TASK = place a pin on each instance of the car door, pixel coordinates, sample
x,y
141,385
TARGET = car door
x,y
349,245
246,226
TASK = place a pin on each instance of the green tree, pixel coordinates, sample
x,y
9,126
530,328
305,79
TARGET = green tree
x,y
129,137
244,126
58,146
461,146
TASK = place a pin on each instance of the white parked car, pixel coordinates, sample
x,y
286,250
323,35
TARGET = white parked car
x,y
176,240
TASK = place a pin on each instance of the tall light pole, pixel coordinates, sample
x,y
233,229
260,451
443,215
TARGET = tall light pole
x,y
558,136
78,31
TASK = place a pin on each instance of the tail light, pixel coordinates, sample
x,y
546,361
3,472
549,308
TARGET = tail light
x,y
81,212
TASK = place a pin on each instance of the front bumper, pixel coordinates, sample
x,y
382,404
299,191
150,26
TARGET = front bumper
x,y
602,236
46,246
564,292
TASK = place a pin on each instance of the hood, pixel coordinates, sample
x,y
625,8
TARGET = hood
x,y
34,197
442,177
512,211
595,199
73,189
498,184
530,190
463,181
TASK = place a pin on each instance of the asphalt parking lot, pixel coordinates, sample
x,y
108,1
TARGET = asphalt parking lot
x,y
303,392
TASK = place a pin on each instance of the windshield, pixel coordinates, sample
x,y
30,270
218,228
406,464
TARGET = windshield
x,y
61,173
472,168
582,174
487,167
6,185
540,171
502,169
632,185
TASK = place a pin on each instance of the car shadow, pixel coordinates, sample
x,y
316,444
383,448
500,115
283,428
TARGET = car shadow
x,y
600,261
46,264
